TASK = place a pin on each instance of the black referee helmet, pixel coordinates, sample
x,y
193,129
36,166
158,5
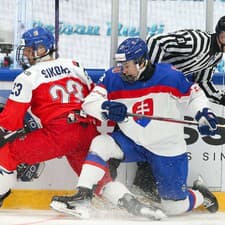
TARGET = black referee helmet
x,y
220,27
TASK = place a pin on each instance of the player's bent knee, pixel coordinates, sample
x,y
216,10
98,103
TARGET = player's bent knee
x,y
7,180
105,147
171,207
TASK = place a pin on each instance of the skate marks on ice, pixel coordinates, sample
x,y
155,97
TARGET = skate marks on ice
x,y
28,217
103,217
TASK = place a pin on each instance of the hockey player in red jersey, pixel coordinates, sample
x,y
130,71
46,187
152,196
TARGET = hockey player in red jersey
x,y
53,89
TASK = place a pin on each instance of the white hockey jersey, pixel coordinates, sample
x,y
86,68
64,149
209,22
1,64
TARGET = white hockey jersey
x,y
167,94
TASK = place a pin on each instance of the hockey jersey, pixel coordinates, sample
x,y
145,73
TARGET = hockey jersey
x,y
50,89
166,94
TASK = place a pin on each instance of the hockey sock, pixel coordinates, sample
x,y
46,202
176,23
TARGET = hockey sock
x,y
195,199
92,172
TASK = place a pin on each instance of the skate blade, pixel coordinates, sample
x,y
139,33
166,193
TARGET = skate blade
x,y
155,215
79,212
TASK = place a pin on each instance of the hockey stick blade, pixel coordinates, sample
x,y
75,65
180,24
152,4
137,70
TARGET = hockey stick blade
x,y
171,120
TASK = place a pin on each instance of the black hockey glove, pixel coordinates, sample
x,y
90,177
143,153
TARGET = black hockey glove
x,y
27,172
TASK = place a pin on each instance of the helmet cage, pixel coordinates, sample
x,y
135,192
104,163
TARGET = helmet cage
x,y
34,38
21,58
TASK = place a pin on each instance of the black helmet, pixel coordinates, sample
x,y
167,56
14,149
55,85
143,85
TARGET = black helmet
x,y
220,27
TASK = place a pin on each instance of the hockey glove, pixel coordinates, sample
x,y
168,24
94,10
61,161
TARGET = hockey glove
x,y
115,111
207,122
27,172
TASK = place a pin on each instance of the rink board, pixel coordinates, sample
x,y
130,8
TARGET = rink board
x,y
40,199
207,157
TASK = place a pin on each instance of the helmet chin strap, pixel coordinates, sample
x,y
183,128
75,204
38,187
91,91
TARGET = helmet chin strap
x,y
140,71
132,78
43,58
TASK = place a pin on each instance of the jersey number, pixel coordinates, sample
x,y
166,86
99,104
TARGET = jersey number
x,y
64,93
17,87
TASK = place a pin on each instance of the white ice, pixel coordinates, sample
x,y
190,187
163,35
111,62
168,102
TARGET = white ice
x,y
103,217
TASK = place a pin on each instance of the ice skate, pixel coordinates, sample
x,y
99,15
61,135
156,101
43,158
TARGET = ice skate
x,y
210,201
4,196
77,205
7,180
145,181
133,206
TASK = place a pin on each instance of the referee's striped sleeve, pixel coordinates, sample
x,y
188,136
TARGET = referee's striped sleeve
x,y
190,51
204,79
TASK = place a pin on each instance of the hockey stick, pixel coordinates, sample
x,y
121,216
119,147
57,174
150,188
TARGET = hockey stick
x,y
9,137
171,120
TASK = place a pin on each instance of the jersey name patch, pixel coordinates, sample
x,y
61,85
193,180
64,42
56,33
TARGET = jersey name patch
x,y
55,71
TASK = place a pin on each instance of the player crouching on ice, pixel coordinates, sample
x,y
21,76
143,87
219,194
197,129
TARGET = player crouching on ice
x,y
137,86
54,89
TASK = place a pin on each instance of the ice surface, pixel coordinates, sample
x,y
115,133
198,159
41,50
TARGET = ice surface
x,y
103,217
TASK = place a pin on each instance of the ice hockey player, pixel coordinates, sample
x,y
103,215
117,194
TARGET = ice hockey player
x,y
196,53
54,90
137,86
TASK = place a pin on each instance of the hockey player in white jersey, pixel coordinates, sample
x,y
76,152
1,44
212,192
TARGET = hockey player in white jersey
x,y
137,86
196,53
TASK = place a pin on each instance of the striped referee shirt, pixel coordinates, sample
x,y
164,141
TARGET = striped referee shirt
x,y
194,52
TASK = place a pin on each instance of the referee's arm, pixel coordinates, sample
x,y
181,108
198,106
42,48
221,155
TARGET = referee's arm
x,y
162,47
204,79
